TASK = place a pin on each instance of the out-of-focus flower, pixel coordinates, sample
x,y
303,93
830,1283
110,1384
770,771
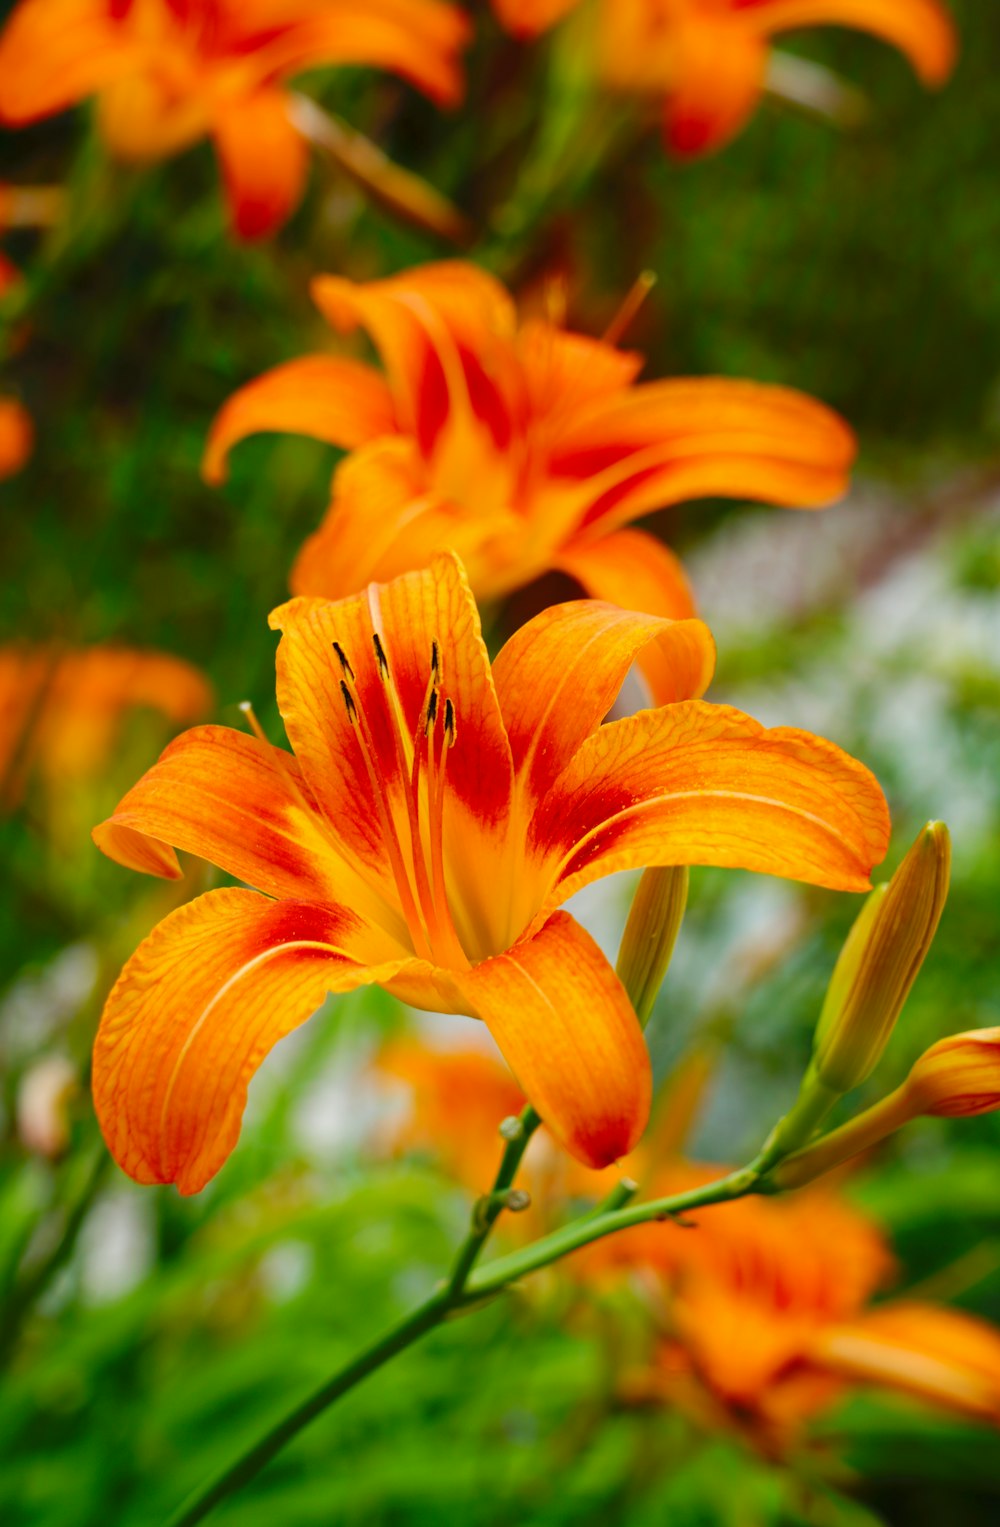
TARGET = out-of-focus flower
x,y
521,445
167,73
433,818
43,1100
61,711
17,435
765,1304
708,59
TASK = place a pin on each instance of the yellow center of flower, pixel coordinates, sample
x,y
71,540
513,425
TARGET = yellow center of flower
x,y
408,796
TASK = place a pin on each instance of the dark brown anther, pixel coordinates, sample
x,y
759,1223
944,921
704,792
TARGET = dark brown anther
x,y
342,655
435,661
383,661
352,709
432,710
449,723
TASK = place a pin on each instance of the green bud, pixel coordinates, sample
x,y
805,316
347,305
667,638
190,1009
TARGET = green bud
x,y
650,934
879,963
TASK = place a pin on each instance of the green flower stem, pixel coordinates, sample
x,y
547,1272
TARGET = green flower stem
x,y
497,1275
459,1292
491,1206
424,1318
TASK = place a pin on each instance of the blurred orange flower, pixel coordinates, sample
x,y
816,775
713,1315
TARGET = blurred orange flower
x,y
767,1308
17,433
708,59
60,711
433,818
167,73
521,445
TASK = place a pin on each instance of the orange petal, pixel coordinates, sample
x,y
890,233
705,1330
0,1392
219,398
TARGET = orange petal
x,y
665,442
529,18
559,675
695,783
718,64
264,161
193,1014
563,371
922,29
410,616
940,1355
631,568
382,521
417,39
17,436
566,1029
445,333
239,803
341,402
54,53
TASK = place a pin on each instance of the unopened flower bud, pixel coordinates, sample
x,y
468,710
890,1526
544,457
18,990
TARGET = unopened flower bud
x,y
879,963
650,934
957,1077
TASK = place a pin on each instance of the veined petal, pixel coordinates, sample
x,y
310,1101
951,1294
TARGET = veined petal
x,y
668,441
341,402
264,160
695,783
54,53
922,29
940,1355
631,568
242,805
415,617
194,1012
445,333
566,1029
559,675
564,371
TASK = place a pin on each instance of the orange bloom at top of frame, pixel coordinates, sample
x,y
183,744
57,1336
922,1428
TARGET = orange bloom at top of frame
x,y
708,59
60,711
167,73
523,446
17,435
433,818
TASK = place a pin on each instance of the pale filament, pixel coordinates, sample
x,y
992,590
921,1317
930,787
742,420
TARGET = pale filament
x,y
420,759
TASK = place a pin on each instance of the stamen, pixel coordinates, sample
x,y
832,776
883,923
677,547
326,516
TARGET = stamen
x,y
253,723
344,663
383,661
350,703
435,662
632,302
431,713
449,724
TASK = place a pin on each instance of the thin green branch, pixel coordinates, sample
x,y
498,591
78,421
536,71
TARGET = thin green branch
x,y
491,1206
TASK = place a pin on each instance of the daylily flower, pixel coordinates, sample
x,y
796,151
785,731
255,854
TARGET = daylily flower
x,y
523,446
61,711
768,1321
17,434
167,73
434,817
708,59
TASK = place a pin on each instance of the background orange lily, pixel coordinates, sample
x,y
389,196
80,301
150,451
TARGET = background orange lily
x,y
522,445
708,58
167,73
434,817
16,437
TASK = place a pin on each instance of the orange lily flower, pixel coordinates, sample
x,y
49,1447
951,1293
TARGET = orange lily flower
x,y
708,59
167,73
60,711
769,1317
16,435
434,817
523,446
